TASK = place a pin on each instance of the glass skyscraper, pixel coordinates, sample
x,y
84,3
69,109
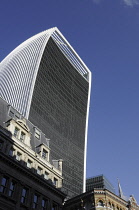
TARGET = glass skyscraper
x,y
49,84
99,182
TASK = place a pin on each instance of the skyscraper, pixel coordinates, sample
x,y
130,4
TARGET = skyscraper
x,y
49,84
99,182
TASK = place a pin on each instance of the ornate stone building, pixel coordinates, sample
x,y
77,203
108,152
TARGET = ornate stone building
x,y
29,177
100,199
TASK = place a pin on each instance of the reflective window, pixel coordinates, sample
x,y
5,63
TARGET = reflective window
x,y
11,152
11,189
3,184
44,154
24,195
22,136
35,201
16,132
44,204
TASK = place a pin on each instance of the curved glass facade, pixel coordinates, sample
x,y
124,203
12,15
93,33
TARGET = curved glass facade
x,y
54,95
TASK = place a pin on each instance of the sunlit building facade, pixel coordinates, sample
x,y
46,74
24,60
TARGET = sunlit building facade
x,y
100,199
47,82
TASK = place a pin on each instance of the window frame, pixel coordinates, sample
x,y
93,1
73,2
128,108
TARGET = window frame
x,y
3,186
44,154
46,175
55,181
12,188
18,156
24,196
11,152
30,164
16,132
44,207
35,201
39,170
22,136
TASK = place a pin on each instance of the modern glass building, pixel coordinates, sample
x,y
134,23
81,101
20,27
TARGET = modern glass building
x,y
99,182
49,84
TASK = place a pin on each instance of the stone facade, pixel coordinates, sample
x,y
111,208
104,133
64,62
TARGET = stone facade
x,y
29,177
100,199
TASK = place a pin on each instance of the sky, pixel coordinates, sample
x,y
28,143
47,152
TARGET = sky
x,y
105,34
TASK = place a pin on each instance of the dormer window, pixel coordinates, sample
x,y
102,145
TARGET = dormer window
x,y
16,132
22,136
44,154
43,150
20,130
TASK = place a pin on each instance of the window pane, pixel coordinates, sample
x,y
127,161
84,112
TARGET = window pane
x,y
55,182
24,195
11,189
29,163
35,201
44,204
22,136
3,184
16,132
11,152
39,171
46,175
44,154
18,156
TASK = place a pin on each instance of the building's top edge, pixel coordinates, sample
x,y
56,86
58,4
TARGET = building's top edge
x,y
68,51
71,49
63,45
100,175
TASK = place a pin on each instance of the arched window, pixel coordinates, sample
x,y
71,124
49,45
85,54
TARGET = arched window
x,y
109,204
113,206
100,203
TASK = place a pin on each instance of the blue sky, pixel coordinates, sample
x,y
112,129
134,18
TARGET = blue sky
x,y
105,33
